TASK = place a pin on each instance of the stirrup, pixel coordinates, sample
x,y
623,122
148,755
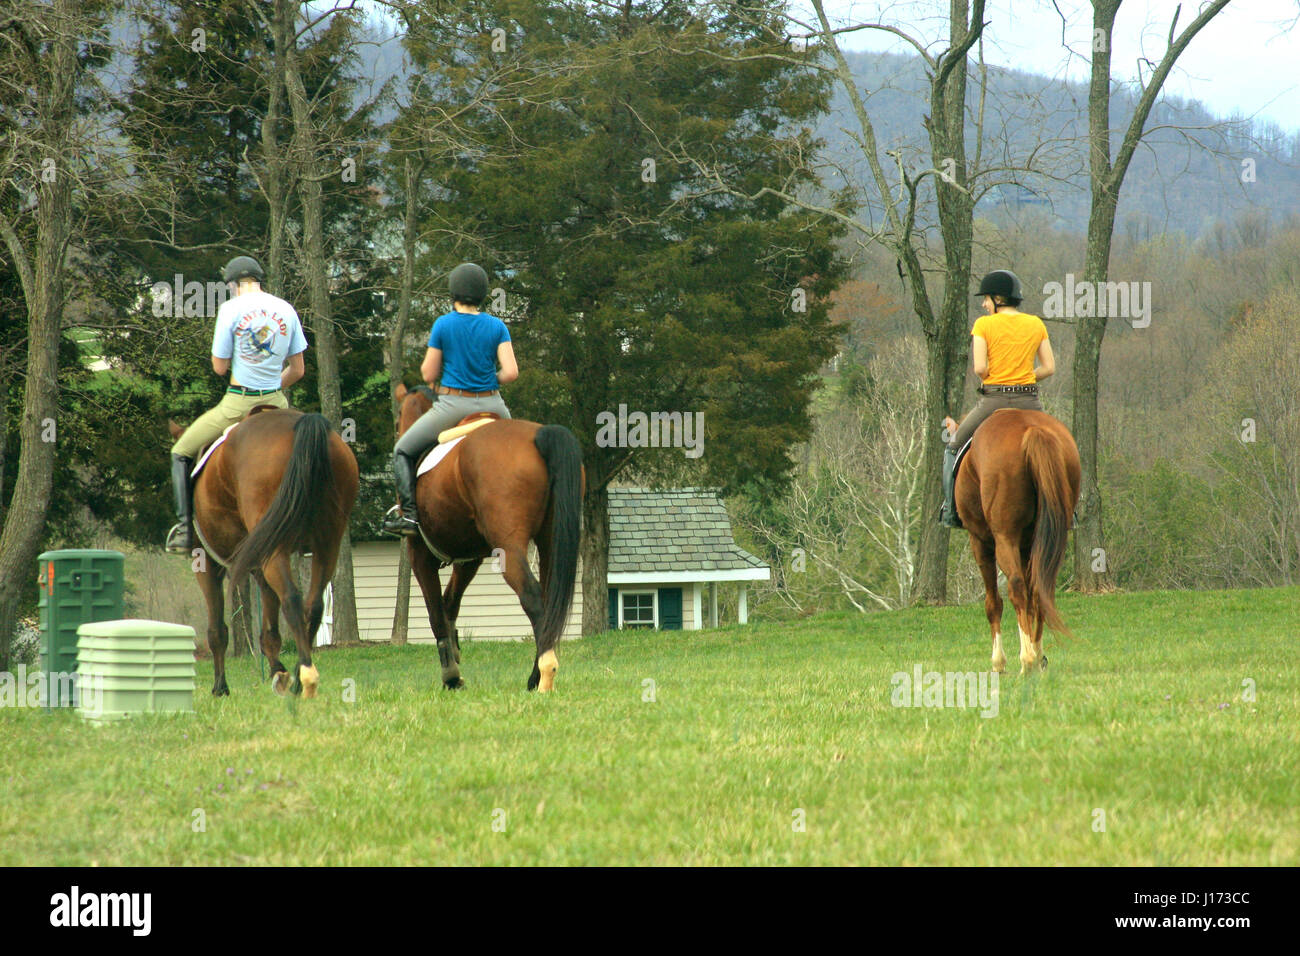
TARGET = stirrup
x,y
178,539
396,521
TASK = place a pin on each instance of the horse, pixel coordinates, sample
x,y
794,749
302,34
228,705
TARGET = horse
x,y
1016,492
503,485
282,481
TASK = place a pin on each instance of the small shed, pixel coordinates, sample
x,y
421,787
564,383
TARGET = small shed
x,y
668,552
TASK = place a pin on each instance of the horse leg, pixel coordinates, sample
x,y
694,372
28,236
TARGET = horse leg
x,y
210,579
461,575
271,642
426,572
1035,611
522,581
280,576
1008,556
986,557
323,562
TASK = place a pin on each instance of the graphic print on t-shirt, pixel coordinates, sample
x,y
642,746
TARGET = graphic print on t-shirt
x,y
255,335
257,331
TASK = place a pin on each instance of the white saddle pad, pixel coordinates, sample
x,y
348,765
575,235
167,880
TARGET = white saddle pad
x,y
198,467
432,459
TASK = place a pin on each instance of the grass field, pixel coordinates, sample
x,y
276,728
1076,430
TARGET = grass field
x,y
763,745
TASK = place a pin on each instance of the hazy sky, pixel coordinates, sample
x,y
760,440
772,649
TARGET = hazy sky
x,y
1247,58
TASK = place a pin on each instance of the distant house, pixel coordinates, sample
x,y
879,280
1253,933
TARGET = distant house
x,y
668,551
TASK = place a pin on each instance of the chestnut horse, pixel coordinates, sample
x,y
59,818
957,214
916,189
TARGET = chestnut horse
x,y
282,481
504,484
1016,491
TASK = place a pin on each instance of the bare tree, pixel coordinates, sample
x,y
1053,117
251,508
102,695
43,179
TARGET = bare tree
x,y
896,193
45,140
1107,176
308,153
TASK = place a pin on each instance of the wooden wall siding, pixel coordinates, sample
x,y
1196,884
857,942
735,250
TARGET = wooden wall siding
x,y
688,608
489,610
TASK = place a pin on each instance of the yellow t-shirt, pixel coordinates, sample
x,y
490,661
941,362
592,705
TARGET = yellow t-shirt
x,y
1013,339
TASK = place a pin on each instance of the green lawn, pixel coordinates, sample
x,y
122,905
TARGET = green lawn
x,y
1140,716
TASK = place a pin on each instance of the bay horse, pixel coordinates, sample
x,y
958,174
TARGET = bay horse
x,y
504,484
282,481
1016,492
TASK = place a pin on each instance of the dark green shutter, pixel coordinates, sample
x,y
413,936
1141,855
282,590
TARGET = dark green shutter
x,y
613,609
670,609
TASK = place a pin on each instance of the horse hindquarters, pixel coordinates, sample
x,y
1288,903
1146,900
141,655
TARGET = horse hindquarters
x,y
1045,459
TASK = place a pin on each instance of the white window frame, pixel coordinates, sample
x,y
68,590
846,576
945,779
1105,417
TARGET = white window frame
x,y
654,604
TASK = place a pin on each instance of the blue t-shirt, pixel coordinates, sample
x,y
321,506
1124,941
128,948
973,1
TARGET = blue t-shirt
x,y
257,331
469,341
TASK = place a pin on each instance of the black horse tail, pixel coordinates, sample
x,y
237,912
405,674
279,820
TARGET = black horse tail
x,y
294,510
563,456
1046,460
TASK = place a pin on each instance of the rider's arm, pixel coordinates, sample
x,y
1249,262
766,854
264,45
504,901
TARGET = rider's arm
x,y
1046,366
220,365
431,367
979,353
509,370
295,370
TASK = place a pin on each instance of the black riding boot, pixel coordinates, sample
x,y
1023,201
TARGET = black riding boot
x,y
948,510
403,519
180,538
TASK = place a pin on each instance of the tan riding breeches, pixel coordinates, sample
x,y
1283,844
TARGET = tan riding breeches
x,y
209,426
988,404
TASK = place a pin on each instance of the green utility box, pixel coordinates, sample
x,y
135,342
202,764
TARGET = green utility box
x,y
77,587
134,667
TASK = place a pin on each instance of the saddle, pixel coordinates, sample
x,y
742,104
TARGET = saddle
x,y
206,453
450,438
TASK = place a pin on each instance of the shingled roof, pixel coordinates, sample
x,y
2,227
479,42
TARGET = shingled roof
x,y
679,529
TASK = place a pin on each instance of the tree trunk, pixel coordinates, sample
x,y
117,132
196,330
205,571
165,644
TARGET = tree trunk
x,y
402,607
594,550
242,633
327,362
276,185
947,335
396,348
42,279
1091,563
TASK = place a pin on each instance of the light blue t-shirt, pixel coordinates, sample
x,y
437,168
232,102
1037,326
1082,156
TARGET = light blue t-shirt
x,y
469,341
257,331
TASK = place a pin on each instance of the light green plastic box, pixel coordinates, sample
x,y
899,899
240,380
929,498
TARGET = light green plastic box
x,y
134,667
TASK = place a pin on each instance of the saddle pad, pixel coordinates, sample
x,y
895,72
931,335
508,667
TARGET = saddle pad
x,y
439,452
198,467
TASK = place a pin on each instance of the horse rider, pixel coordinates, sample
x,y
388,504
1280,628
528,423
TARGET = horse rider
x,y
465,348
1005,343
255,333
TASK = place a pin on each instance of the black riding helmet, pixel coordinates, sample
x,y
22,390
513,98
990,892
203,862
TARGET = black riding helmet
x,y
1002,282
242,267
468,284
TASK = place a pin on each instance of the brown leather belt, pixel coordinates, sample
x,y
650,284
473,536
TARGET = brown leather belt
x,y
445,390
1023,389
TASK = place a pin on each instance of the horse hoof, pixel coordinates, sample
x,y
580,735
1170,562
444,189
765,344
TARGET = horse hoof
x,y
547,665
309,680
280,682
221,692
456,684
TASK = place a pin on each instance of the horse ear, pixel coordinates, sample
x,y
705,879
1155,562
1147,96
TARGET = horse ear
x,y
400,391
176,430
